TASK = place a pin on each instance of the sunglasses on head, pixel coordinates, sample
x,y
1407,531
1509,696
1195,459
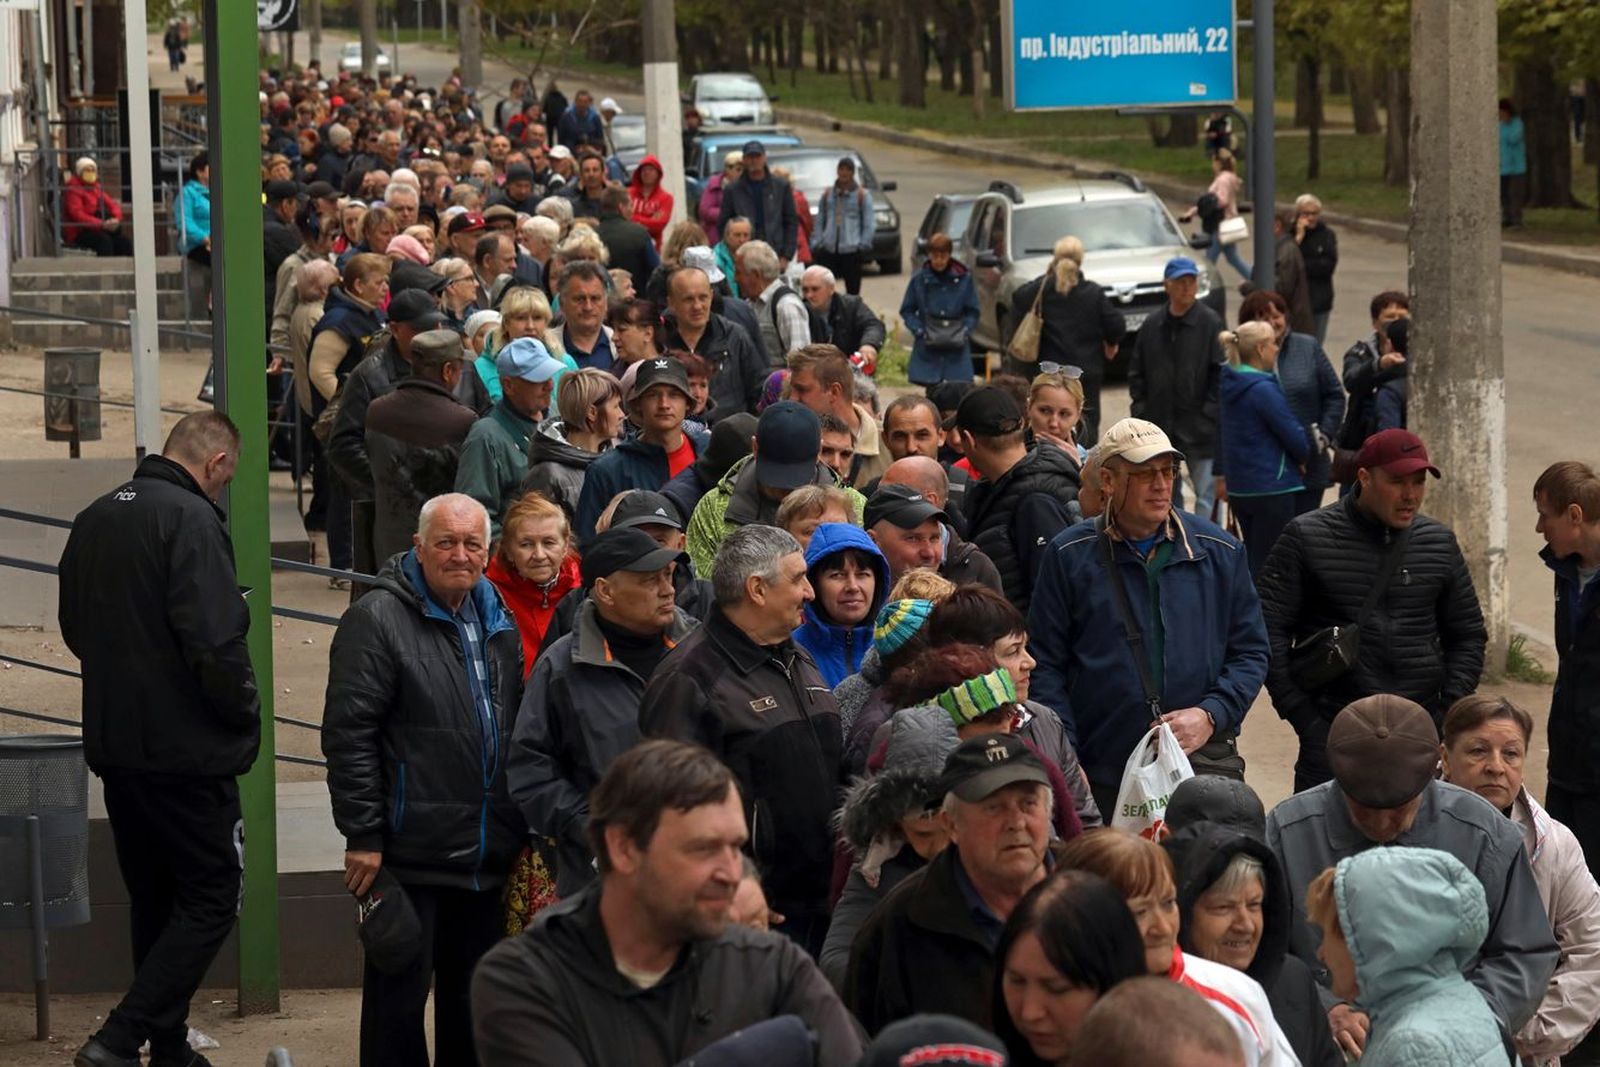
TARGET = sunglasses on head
x,y
1065,369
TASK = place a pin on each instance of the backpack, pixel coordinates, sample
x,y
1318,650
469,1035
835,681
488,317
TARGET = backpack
x,y
820,333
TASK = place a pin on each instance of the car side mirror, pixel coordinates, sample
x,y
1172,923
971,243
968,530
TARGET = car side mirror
x,y
1199,240
920,244
889,187
988,260
773,99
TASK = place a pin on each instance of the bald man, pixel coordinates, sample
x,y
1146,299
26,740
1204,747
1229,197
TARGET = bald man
x,y
961,561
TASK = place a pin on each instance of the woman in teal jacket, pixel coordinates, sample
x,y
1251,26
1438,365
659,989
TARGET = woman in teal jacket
x,y
1398,925
196,209
1513,165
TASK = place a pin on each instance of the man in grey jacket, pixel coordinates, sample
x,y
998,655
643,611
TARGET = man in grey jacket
x,y
1384,752
644,967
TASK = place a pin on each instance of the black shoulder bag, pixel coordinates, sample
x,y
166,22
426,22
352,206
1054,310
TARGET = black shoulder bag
x,y
1218,756
1327,654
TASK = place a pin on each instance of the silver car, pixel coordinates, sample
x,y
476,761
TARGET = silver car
x,y
726,98
1128,236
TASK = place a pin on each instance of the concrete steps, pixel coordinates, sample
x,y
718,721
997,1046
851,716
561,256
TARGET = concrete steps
x,y
100,289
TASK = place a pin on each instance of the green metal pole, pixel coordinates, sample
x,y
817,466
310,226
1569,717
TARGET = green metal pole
x,y
237,347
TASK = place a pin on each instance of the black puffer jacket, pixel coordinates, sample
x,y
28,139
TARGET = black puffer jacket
x,y
411,771
1013,518
741,364
851,324
556,466
1077,324
765,713
1200,854
373,377
1174,374
150,604
1425,637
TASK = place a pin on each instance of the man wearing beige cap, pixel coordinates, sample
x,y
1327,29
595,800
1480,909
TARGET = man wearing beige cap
x,y
1384,752
1176,632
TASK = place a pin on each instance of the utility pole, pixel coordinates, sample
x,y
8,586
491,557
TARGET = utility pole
x,y
663,106
1458,402
471,44
367,16
145,344
314,30
1263,152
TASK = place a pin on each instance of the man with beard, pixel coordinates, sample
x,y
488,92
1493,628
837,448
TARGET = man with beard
x,y
643,966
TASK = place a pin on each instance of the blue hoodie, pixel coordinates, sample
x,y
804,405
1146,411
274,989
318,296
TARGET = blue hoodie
x,y
838,649
1413,919
1263,444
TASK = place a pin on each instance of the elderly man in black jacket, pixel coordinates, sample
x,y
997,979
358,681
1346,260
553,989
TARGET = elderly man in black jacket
x,y
580,708
424,681
645,968
852,326
766,200
1174,374
740,362
1374,562
740,686
150,604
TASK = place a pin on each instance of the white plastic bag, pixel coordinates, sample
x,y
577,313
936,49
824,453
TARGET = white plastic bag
x,y
1154,770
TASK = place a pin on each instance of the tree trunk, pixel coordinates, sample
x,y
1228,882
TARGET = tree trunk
x,y
855,56
913,75
978,65
1305,91
888,36
314,28
1314,148
1591,111
1363,98
949,48
797,46
971,47
1546,114
994,55
1397,128
1179,130
1338,75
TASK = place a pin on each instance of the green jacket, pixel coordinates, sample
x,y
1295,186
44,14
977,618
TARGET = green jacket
x,y
494,460
737,501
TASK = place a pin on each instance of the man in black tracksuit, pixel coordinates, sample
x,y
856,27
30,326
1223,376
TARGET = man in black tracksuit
x,y
741,687
150,604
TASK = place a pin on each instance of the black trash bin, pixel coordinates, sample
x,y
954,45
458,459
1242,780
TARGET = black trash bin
x,y
44,844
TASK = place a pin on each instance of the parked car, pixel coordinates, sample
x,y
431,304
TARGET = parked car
x,y
350,58
715,142
1127,233
628,141
813,168
948,214
729,98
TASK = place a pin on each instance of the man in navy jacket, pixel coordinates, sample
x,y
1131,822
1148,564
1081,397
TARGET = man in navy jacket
x,y
1193,604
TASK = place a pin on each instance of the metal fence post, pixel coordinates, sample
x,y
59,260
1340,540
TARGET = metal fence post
x,y
41,956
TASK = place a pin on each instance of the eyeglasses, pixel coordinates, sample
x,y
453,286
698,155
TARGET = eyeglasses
x,y
1152,475
1067,370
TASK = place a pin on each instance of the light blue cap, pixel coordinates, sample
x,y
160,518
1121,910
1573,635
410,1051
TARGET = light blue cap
x,y
528,359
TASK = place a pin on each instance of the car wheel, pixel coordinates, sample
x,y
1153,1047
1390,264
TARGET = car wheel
x,y
889,266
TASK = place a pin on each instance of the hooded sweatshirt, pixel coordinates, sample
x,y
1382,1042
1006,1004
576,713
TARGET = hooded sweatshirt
x,y
1263,444
653,209
838,648
1413,919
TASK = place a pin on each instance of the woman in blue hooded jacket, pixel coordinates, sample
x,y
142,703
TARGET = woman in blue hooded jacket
x,y
1398,926
940,310
850,578
1264,447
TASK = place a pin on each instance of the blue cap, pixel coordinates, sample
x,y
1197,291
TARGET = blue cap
x,y
754,148
528,359
1181,267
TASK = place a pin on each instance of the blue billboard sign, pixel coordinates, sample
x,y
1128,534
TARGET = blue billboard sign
x,y
1149,53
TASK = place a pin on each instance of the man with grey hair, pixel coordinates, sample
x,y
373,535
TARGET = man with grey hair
x,y
929,947
424,683
782,314
740,686
851,325
402,199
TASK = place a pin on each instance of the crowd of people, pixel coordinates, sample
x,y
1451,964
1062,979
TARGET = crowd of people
x,y
694,702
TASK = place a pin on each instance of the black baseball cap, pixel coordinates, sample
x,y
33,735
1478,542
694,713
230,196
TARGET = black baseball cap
x,y
465,222
321,191
625,550
989,412
754,148
519,173
390,932
788,438
901,505
282,189
663,370
415,308
981,766
645,508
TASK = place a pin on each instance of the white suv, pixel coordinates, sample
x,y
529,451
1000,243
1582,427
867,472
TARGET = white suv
x,y
1127,233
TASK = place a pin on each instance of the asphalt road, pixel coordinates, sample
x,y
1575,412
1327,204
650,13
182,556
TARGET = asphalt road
x,y
1552,375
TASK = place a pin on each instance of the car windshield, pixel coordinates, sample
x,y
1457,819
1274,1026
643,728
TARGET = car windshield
x,y
812,174
728,89
1109,225
625,137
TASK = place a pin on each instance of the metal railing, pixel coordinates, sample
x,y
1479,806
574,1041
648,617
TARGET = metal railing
x,y
280,610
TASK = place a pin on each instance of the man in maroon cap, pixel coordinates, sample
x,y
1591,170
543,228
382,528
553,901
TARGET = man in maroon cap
x,y
1367,595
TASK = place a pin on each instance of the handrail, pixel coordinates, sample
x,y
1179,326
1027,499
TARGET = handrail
x,y
121,324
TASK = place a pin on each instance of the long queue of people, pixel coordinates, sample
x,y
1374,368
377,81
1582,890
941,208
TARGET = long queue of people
x,y
701,706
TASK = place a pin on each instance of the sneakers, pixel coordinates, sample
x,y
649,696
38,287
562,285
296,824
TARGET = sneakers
x,y
95,1053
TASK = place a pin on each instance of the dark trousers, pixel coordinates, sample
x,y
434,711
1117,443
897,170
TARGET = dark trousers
x,y
1105,798
1311,766
1261,520
458,927
1089,422
1513,193
340,535
103,242
1308,500
1580,813
180,847
845,266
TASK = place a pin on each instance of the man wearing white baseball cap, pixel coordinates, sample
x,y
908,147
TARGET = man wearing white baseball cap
x,y
1146,612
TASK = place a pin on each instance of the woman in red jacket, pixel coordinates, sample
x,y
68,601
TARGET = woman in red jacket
x,y
534,567
89,218
652,205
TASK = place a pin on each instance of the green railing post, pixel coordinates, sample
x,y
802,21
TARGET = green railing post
x,y
233,135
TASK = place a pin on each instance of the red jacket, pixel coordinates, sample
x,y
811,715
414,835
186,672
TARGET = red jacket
x,y
84,207
530,605
802,207
651,210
